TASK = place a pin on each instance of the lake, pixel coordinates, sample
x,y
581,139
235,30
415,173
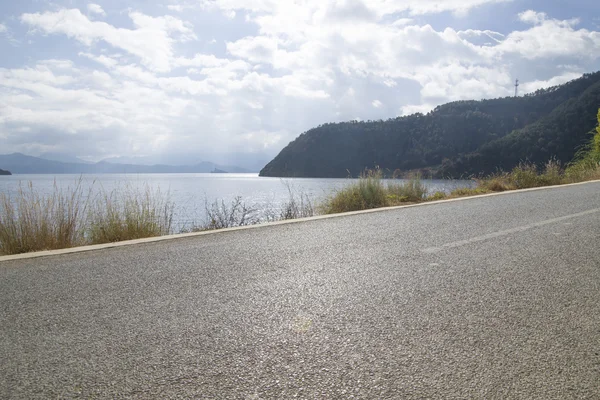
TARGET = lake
x,y
191,192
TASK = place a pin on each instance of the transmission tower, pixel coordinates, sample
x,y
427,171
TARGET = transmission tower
x,y
516,88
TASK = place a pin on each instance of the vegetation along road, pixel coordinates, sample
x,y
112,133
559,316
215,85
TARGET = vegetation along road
x,y
488,297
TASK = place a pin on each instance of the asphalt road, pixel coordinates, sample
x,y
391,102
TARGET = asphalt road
x,y
495,297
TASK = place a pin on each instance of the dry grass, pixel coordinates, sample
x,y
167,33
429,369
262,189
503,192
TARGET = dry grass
x,y
298,205
30,221
221,215
462,192
579,173
412,191
69,217
437,196
523,176
128,214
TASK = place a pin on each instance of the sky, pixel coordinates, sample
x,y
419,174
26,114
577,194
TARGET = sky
x,y
237,80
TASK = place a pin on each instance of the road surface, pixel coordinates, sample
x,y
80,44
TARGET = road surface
x,y
495,297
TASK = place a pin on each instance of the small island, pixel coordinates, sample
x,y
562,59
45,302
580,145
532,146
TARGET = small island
x,y
3,172
218,171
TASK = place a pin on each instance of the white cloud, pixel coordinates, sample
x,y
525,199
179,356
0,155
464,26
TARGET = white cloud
x,y
256,49
348,8
201,60
101,59
402,22
258,84
151,41
532,86
481,38
3,28
104,110
418,108
95,9
136,73
533,17
58,64
550,38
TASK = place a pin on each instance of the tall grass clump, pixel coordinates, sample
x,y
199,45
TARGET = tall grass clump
x,y
498,182
412,190
523,176
368,192
371,191
31,221
129,213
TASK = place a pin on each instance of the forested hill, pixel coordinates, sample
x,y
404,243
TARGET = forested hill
x,y
3,172
456,139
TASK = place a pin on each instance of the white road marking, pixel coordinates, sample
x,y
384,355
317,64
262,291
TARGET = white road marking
x,y
507,232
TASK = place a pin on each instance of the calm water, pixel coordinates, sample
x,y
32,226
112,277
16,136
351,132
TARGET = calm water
x,y
190,192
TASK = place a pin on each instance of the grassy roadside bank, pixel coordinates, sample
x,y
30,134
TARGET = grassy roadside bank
x,y
31,221
374,192
71,217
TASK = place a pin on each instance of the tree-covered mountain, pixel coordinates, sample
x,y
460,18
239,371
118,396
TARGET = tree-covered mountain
x,y
456,139
3,172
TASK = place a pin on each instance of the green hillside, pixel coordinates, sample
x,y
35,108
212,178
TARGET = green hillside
x,y
455,139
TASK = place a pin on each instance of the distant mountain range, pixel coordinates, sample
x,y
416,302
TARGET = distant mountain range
x,y
19,163
457,139
66,158
253,162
